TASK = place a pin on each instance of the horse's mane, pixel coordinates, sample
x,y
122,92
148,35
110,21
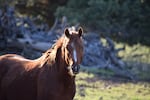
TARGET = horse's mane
x,y
50,54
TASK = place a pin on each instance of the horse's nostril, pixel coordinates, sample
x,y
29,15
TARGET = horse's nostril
x,y
76,69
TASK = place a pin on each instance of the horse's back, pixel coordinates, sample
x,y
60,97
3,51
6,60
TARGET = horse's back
x,y
13,60
5,65
9,61
16,79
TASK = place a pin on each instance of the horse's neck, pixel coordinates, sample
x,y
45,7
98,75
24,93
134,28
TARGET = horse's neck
x,y
56,55
57,68
50,55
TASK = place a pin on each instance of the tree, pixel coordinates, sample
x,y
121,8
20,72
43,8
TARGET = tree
x,y
128,17
43,9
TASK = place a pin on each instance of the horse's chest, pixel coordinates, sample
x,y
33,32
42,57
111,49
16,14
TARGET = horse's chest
x,y
63,93
68,90
51,88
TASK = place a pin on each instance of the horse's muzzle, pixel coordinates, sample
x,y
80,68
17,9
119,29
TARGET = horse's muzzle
x,y
76,69
73,70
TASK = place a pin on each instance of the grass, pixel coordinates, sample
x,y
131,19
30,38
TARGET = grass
x,y
92,87
137,58
100,84
135,53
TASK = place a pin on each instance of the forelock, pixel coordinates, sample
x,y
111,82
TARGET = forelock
x,y
72,30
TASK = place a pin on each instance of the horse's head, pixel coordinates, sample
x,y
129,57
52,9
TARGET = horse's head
x,y
73,49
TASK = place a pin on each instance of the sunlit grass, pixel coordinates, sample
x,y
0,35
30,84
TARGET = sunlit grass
x,y
135,53
137,58
92,87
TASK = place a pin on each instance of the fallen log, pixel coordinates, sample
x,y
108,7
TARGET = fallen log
x,y
27,43
36,45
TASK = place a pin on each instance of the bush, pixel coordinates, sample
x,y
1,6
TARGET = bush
x,y
129,17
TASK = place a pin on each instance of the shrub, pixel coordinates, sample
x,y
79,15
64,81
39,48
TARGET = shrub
x,y
129,17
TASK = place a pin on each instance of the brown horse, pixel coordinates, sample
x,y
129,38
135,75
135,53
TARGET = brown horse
x,y
50,77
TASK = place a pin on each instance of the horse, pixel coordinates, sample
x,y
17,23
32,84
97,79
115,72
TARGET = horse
x,y
49,77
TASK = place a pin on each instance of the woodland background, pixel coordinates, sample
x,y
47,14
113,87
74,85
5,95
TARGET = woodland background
x,y
126,20
116,62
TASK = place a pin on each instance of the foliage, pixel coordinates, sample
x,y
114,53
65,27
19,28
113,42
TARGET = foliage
x,y
129,17
4,3
41,9
122,19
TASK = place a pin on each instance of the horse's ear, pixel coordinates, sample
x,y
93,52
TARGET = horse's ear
x,y
67,33
80,30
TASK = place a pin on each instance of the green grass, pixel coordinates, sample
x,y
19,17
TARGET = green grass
x,y
100,84
135,53
93,87
137,58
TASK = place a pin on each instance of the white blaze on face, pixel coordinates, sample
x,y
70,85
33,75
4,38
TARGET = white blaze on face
x,y
74,52
75,55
